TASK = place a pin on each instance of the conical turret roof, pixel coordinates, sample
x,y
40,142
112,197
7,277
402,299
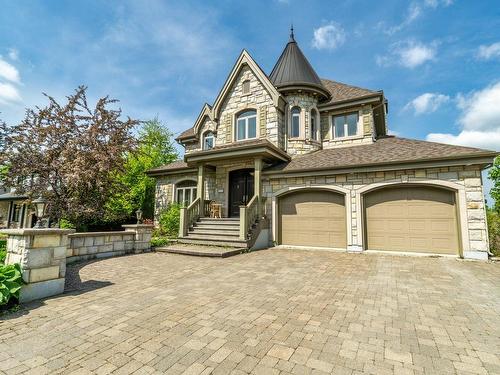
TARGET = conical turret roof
x,y
294,71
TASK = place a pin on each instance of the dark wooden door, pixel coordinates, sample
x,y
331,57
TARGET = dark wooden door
x,y
241,190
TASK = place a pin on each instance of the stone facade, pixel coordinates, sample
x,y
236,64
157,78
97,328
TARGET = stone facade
x,y
464,179
305,142
366,127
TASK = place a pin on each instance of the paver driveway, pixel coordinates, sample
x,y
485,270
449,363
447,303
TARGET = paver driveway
x,y
273,311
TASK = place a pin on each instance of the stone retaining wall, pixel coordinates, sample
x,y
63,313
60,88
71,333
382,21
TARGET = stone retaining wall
x,y
85,246
44,253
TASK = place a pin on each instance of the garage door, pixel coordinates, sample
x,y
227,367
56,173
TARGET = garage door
x,y
418,219
313,218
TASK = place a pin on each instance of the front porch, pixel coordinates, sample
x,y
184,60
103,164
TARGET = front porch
x,y
231,178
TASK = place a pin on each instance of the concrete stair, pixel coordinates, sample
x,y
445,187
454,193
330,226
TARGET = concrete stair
x,y
215,232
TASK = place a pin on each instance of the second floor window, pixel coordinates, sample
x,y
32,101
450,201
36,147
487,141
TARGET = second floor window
x,y
295,122
246,125
208,141
314,125
345,125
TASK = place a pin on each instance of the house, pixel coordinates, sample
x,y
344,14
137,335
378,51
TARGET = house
x,y
300,161
15,212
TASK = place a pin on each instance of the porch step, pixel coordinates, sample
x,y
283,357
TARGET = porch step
x,y
205,228
214,232
225,219
202,251
214,241
217,224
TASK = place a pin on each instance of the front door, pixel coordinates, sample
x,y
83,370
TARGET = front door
x,y
241,190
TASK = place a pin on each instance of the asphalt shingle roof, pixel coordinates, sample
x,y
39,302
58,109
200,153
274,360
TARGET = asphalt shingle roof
x,y
387,150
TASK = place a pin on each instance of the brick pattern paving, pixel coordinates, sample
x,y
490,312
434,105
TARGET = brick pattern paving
x,y
268,312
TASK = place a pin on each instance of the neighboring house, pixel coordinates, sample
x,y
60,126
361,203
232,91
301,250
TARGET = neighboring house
x,y
14,211
301,161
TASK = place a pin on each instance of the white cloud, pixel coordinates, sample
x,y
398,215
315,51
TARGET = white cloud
x,y
487,52
13,54
9,93
414,11
427,103
329,36
8,71
409,54
479,120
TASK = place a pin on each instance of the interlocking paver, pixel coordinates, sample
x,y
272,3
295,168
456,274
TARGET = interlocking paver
x,y
274,311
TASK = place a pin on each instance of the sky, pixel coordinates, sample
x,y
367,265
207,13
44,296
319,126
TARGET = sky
x,y
437,61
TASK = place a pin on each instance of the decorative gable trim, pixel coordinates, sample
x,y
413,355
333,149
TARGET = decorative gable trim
x,y
206,111
246,59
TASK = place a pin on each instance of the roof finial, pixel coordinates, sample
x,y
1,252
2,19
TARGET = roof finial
x,y
292,38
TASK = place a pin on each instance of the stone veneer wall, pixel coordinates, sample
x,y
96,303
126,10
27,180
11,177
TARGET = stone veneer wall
x,y
469,177
236,101
367,127
91,245
135,238
303,144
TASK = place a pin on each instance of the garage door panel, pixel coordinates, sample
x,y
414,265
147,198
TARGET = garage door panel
x,y
421,219
313,218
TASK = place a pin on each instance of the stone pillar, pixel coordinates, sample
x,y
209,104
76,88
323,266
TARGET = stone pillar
x,y
42,255
258,184
200,188
143,234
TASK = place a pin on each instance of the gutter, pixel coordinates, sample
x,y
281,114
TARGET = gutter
x,y
485,159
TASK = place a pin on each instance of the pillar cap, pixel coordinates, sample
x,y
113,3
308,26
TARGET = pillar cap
x,y
33,231
138,226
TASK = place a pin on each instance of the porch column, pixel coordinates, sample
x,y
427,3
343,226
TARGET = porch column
x,y
258,183
200,189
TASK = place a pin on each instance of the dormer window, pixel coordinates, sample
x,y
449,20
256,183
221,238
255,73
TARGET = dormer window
x,y
345,125
295,122
208,140
246,125
314,125
246,87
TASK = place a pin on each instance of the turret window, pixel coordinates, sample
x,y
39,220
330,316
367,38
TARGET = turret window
x,y
345,125
208,141
295,122
314,125
246,125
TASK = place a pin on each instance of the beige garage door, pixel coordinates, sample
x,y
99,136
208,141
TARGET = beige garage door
x,y
313,218
418,219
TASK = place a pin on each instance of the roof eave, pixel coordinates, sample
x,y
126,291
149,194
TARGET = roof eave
x,y
476,159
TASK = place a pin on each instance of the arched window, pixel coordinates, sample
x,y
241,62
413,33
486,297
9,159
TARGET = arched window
x,y
185,192
314,125
246,125
208,140
295,122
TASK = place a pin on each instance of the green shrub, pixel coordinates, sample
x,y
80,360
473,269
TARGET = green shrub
x,y
169,221
159,241
11,282
3,250
494,231
66,224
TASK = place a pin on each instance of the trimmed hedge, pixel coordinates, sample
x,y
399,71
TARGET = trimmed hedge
x,y
494,231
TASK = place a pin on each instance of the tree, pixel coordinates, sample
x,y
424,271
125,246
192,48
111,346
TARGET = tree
x,y
155,148
494,175
69,154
